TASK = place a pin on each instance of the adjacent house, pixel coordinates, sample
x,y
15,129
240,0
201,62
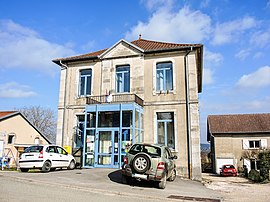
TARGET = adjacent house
x,y
236,139
139,91
16,134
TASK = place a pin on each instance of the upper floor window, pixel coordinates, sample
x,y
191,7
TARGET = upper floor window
x,y
85,82
164,77
165,126
254,144
11,138
123,79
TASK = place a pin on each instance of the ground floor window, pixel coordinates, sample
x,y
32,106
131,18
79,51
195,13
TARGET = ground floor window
x,y
165,129
79,131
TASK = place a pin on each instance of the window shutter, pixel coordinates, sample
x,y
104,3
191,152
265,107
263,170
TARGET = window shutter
x,y
245,144
263,143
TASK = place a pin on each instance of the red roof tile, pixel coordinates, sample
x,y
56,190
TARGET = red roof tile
x,y
239,123
5,113
148,45
143,44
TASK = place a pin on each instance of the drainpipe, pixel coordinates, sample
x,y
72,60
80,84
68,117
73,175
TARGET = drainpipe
x,y
64,66
188,113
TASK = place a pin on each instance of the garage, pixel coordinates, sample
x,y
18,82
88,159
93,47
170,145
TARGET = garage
x,y
223,161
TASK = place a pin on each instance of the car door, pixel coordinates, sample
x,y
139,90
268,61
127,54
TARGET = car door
x,y
169,160
53,156
63,158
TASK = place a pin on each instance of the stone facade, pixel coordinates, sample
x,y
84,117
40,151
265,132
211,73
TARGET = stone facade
x,y
143,84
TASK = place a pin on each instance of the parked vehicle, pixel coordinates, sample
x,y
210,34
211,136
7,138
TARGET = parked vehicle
x,y
149,162
228,170
46,158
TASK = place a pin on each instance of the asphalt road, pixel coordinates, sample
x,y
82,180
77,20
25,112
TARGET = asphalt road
x,y
93,185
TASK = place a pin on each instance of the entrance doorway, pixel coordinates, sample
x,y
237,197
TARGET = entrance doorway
x,y
107,150
109,130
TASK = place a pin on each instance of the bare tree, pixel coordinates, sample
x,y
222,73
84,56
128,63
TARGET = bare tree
x,y
42,118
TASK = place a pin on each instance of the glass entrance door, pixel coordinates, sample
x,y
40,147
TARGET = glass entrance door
x,y
107,154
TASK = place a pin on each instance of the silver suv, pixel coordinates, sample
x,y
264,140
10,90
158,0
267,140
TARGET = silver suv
x,y
149,162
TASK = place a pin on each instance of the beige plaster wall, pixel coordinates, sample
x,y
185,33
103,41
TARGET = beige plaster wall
x,y
232,147
142,83
24,133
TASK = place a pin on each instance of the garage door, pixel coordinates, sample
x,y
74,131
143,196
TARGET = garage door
x,y
222,161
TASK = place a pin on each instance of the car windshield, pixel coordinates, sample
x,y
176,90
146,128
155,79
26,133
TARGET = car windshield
x,y
229,166
34,149
151,150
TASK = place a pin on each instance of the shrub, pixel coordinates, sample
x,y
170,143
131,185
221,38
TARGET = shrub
x,y
254,175
264,165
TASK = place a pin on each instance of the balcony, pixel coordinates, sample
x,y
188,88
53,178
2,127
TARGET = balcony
x,y
122,98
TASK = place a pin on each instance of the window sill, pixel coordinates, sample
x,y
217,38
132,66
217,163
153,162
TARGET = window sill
x,y
165,92
121,93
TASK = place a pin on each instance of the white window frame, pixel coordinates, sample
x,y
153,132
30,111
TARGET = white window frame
x,y
175,127
154,69
123,77
78,80
262,142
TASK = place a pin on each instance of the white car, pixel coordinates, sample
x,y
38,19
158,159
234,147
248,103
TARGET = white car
x,y
46,158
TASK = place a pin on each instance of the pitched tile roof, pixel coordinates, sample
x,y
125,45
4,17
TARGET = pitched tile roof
x,y
239,123
146,45
6,113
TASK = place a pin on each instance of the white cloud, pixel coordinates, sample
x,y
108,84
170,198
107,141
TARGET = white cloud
x,y
204,3
243,54
243,106
23,48
231,31
184,26
212,59
258,55
257,79
156,4
15,90
207,76
261,39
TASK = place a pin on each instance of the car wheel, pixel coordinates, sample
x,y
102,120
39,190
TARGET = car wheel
x,y
141,163
24,170
162,183
46,166
71,165
173,175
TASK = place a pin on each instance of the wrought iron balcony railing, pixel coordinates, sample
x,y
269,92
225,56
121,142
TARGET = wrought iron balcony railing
x,y
121,98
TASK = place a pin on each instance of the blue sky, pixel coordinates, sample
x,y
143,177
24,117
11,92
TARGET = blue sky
x,y
235,34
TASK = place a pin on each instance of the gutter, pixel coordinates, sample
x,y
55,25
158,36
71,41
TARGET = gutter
x,y
64,66
188,113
